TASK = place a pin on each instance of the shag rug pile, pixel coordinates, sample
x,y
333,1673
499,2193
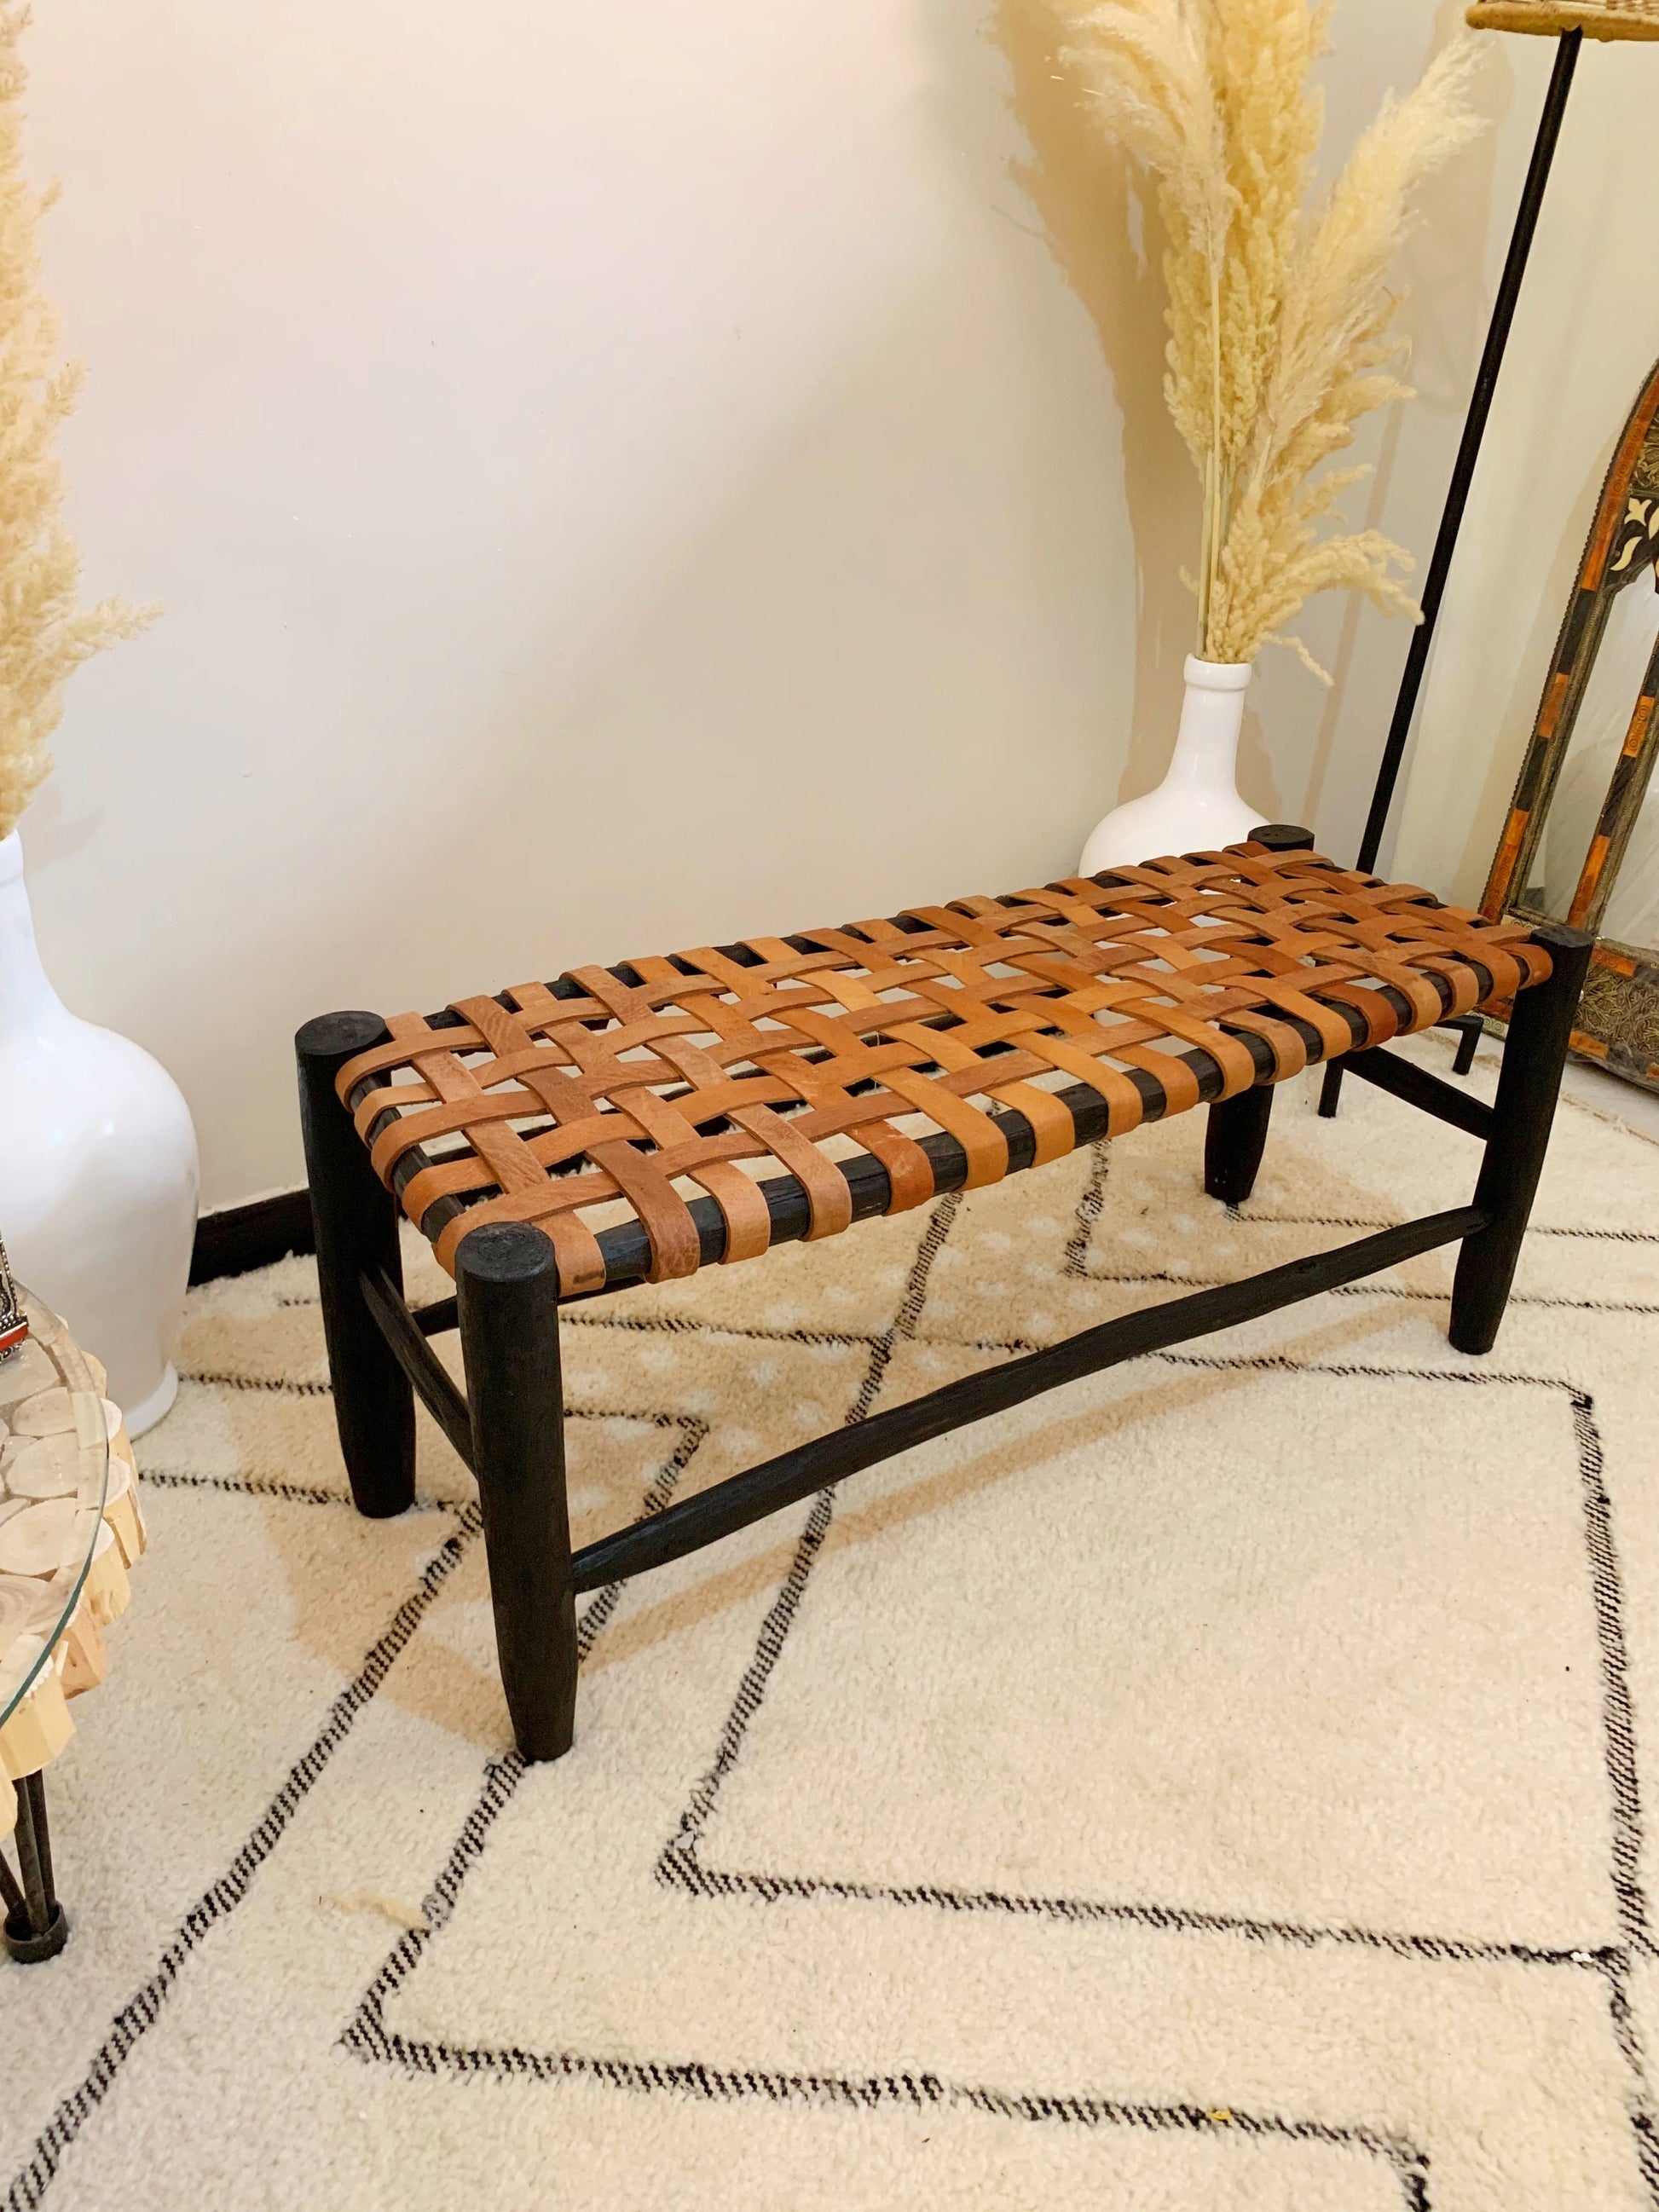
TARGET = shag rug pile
x,y
1227,1784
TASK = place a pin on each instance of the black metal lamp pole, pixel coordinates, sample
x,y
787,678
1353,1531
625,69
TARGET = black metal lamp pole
x,y
1469,453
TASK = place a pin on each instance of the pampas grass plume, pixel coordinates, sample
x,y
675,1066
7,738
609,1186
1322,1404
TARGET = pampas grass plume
x,y
44,634
1279,311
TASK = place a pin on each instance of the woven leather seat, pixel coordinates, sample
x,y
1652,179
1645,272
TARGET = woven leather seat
x,y
721,1100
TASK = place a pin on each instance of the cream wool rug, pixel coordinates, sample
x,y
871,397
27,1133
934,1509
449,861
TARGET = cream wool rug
x,y
1223,1785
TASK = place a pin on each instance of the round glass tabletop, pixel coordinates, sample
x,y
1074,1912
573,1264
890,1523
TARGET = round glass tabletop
x,y
55,1460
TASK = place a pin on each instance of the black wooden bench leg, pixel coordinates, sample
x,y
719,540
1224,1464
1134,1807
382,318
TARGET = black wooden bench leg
x,y
1528,1086
506,1283
357,1222
1330,1090
1470,1030
1234,1140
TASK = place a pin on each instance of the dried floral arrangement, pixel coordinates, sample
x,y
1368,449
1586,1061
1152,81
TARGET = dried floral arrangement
x,y
44,634
1279,311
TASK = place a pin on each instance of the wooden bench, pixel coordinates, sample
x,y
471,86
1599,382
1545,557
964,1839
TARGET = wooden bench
x,y
727,1099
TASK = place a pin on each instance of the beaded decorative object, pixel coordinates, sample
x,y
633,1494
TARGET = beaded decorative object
x,y
1596,19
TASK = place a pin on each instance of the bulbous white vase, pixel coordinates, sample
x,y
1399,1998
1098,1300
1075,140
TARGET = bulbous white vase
x,y
1197,807
98,1174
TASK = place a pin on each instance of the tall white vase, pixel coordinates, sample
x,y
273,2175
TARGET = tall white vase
x,y
1197,807
98,1174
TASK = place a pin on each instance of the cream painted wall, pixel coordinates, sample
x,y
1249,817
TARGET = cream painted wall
x,y
623,476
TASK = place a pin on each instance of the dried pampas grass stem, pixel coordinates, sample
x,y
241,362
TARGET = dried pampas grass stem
x,y
44,634
1279,312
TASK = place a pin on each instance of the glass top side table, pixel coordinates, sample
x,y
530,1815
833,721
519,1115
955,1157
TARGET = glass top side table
x,y
58,1552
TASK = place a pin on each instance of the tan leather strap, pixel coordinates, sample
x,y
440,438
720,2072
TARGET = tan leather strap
x,y
709,1071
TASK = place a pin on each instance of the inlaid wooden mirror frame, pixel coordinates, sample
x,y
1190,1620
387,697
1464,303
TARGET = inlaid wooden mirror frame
x,y
1619,1015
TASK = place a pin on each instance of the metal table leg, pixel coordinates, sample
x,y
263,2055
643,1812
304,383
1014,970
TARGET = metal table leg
x,y
36,1926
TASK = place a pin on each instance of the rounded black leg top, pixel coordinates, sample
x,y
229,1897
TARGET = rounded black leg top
x,y
1283,837
338,1037
506,1252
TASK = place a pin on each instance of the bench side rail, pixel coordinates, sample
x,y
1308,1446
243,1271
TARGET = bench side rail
x,y
798,1474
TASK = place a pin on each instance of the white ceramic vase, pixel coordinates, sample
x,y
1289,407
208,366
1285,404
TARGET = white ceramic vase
x,y
98,1175
1197,807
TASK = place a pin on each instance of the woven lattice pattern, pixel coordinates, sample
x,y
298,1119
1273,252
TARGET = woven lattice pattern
x,y
672,1078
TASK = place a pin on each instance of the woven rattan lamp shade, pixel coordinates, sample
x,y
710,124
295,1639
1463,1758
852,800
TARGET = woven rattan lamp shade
x,y
1596,19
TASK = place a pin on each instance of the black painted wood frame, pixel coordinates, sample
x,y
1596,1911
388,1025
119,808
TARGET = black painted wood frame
x,y
508,1426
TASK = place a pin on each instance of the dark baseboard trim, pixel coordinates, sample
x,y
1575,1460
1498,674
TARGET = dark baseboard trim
x,y
239,1237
